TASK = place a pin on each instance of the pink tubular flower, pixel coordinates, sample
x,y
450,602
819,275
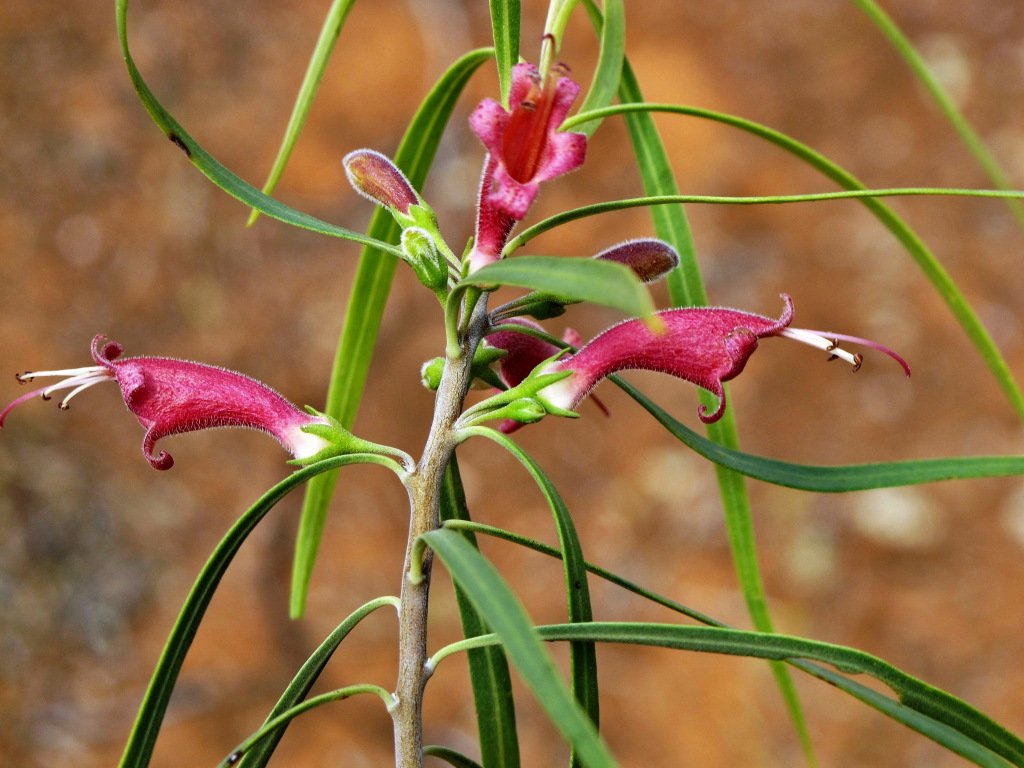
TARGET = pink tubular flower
x,y
524,149
705,346
171,396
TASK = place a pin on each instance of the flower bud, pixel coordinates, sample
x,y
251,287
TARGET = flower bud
x,y
374,176
423,256
649,259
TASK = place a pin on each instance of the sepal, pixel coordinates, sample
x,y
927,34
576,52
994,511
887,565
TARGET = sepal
x,y
341,442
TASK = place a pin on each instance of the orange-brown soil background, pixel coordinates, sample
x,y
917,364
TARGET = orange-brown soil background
x,y
105,227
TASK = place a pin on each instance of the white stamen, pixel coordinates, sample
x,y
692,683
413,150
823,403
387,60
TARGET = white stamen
x,y
821,342
93,370
83,385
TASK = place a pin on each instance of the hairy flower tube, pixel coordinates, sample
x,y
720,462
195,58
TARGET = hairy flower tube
x,y
170,396
703,345
524,149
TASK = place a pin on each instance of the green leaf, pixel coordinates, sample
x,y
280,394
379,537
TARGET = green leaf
x,y
998,739
216,172
583,656
367,298
488,667
450,756
686,288
329,33
299,687
496,603
966,728
831,479
150,717
924,74
506,17
609,63
274,726
572,279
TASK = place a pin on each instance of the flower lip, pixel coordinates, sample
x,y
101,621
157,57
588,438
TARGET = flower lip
x,y
524,141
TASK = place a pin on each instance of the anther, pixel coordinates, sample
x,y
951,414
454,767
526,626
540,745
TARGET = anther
x,y
835,345
858,360
23,377
63,405
46,396
529,106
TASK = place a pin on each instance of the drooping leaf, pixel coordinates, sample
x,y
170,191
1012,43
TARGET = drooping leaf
x,y
488,667
503,612
151,713
299,687
573,279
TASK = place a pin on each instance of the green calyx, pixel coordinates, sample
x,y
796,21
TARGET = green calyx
x,y
341,442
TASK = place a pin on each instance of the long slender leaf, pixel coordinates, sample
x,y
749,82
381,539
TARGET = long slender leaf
x,y
575,279
505,614
921,254
281,721
506,18
608,72
573,214
329,33
686,288
139,748
488,667
366,306
450,756
583,656
831,479
901,712
935,713
216,172
927,77
299,687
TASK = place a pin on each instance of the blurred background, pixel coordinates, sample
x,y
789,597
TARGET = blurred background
x,y
106,228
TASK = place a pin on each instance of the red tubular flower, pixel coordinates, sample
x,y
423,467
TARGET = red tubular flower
x,y
705,346
171,396
524,148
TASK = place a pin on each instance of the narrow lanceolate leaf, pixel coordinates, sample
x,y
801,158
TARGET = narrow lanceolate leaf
x,y
983,732
605,83
366,305
488,668
450,756
964,729
299,687
956,118
506,17
686,288
329,33
583,656
216,172
572,279
503,612
139,748
831,479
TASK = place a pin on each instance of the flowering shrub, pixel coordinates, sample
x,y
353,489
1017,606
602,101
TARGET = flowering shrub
x,y
504,362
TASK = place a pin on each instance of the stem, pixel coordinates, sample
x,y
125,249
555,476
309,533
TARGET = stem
x,y
424,486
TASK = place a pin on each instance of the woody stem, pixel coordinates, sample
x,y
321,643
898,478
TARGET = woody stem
x,y
424,486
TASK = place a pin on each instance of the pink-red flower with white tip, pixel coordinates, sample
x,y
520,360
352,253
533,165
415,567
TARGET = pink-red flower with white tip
x,y
170,396
703,345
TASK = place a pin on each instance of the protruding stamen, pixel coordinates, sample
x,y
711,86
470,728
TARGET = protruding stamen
x,y
23,377
85,384
830,343
821,342
91,370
